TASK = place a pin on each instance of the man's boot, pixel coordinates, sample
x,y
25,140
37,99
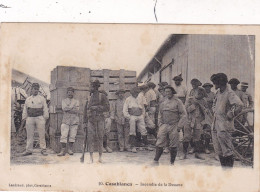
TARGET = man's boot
x,y
192,150
221,160
133,143
70,152
44,152
197,155
145,140
158,153
100,158
108,149
63,149
173,153
229,161
207,146
91,157
185,150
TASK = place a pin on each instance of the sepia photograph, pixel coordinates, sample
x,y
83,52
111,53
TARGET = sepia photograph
x,y
118,97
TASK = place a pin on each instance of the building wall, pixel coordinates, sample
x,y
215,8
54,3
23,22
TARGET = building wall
x,y
200,56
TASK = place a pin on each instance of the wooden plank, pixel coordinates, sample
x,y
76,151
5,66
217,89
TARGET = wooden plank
x,y
114,73
130,80
113,87
96,73
63,73
130,73
106,80
122,79
101,80
112,95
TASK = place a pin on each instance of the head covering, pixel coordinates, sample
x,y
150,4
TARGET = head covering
x,y
70,89
234,81
96,83
195,82
244,84
35,85
162,84
143,87
170,87
178,78
207,85
134,90
219,78
120,91
151,85
103,91
201,90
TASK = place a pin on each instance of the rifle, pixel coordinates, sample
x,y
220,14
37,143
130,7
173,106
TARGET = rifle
x,y
86,134
84,145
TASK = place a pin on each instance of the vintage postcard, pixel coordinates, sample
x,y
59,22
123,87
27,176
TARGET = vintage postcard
x,y
129,107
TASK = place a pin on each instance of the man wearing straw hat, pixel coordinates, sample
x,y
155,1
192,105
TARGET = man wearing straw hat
x,y
179,88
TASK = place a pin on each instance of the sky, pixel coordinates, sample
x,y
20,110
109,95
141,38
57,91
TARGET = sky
x,y
36,49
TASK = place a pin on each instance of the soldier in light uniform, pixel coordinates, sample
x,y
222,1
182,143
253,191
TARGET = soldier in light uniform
x,y
150,96
122,123
179,88
98,104
172,115
196,108
35,112
70,122
233,84
247,97
225,107
134,111
210,95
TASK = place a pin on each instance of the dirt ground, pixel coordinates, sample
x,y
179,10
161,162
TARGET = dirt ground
x,y
140,158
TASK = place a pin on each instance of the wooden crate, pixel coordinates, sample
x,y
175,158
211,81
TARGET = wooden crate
x,y
80,79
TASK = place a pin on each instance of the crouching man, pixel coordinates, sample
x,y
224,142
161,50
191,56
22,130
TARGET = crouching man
x,y
35,112
172,115
70,122
226,105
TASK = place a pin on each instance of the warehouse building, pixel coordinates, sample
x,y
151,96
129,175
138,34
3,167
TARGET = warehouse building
x,y
199,56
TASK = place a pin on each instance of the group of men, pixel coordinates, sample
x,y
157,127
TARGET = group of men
x,y
168,113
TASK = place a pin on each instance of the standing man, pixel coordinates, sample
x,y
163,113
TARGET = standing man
x,y
181,90
122,124
226,106
247,97
97,106
35,112
233,84
210,95
172,117
70,122
134,111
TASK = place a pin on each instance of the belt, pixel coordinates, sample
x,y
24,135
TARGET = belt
x,y
34,112
135,111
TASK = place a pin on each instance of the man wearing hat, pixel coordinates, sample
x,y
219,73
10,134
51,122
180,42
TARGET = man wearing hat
x,y
98,104
210,95
172,116
160,96
181,90
134,111
233,84
226,106
247,98
70,122
195,83
35,112
122,123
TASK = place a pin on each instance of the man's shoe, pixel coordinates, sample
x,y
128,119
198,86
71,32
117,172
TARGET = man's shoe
x,y
26,153
44,153
155,163
166,150
108,150
104,150
149,148
70,152
198,156
62,152
191,150
184,156
207,151
134,150
121,150
128,150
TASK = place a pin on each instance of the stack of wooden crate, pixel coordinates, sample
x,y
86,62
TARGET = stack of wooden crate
x,y
80,79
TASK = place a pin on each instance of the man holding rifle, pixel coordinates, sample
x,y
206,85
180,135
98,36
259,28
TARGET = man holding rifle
x,y
98,104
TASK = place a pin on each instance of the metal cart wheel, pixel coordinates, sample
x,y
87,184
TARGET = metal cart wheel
x,y
243,137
